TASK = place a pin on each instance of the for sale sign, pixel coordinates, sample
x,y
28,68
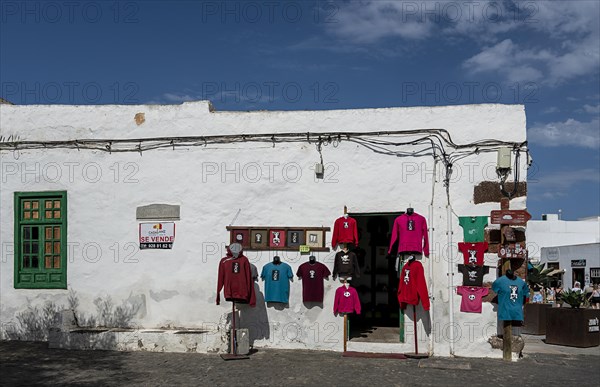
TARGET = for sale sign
x,y
160,235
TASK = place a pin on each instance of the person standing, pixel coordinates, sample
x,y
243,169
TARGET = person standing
x,y
551,295
595,297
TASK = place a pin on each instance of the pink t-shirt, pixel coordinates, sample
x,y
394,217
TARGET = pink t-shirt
x,y
471,298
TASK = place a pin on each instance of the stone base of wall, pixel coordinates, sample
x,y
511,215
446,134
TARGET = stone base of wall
x,y
152,340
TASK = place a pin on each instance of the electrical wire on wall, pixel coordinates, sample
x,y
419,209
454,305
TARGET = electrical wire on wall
x,y
421,143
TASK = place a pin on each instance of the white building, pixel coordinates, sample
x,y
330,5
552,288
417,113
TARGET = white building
x,y
552,231
571,246
101,163
580,263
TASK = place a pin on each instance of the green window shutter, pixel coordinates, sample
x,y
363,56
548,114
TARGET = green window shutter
x,y
40,260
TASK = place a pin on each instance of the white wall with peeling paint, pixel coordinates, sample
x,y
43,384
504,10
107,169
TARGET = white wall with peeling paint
x,y
177,288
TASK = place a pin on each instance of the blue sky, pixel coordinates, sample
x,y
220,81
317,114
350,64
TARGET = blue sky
x,y
272,55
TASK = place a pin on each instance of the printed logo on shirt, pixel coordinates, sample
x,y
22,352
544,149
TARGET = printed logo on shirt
x,y
294,237
275,275
346,294
276,239
471,297
406,277
311,273
239,237
312,238
472,275
411,225
513,292
235,268
257,238
346,225
472,231
472,256
345,259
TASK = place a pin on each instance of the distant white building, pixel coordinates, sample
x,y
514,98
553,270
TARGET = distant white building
x,y
579,262
551,231
571,246
77,179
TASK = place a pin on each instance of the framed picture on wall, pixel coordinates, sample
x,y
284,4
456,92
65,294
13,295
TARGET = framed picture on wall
x,y
258,238
241,236
277,238
295,238
314,238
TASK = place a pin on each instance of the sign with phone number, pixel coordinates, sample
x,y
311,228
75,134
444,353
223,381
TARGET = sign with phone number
x,y
156,246
157,235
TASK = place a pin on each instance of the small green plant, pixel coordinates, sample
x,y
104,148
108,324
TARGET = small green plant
x,y
538,275
573,298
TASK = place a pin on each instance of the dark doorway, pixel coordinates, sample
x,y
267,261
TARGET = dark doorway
x,y
578,275
377,286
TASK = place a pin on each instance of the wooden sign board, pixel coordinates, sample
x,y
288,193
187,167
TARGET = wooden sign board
x,y
513,251
510,216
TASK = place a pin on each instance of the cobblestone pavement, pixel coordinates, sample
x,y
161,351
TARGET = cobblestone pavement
x,y
27,363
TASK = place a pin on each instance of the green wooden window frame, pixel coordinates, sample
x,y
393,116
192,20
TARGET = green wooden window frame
x,y
40,240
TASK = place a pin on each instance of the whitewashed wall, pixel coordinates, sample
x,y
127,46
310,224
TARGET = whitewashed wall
x,y
177,287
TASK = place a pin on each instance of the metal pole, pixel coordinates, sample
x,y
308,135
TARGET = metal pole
x,y
233,341
415,327
345,330
450,278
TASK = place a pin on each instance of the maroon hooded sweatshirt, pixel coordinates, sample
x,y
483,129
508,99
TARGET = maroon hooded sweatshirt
x,y
235,279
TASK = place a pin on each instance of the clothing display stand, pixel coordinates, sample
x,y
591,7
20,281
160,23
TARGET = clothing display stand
x,y
416,354
345,331
400,310
233,355
506,265
345,318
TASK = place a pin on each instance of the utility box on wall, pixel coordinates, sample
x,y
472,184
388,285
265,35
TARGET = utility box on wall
x,y
504,158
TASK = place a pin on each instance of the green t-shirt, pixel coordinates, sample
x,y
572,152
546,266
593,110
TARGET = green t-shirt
x,y
473,227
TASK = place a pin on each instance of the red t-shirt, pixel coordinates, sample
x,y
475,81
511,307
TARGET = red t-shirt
x,y
344,231
473,252
312,275
471,298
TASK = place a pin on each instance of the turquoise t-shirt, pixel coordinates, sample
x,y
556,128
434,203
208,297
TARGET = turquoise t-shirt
x,y
511,297
473,227
277,282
